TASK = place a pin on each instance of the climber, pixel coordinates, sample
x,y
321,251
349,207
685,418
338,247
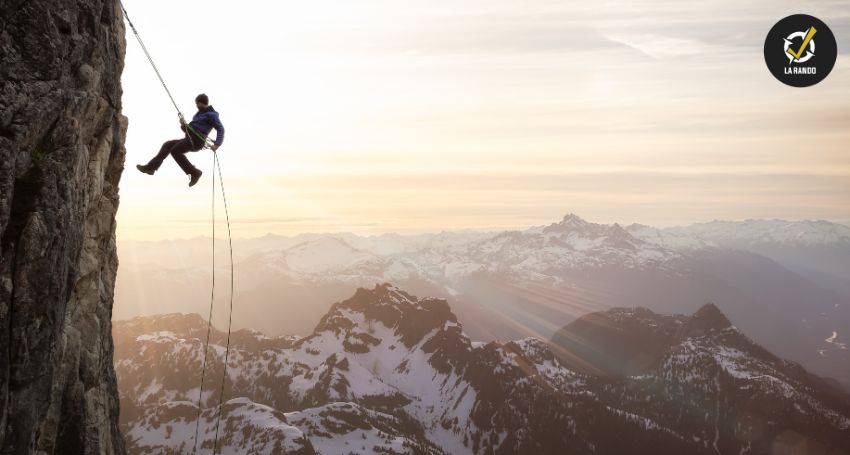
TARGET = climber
x,y
204,121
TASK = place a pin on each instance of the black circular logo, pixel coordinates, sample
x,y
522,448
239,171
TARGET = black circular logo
x,y
800,50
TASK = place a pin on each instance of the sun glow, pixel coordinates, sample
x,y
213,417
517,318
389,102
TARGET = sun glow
x,y
377,116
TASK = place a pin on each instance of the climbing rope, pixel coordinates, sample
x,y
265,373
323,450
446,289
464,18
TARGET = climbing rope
x,y
148,55
216,168
230,316
209,319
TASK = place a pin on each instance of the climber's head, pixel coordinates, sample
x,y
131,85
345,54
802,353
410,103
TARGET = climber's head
x,y
202,101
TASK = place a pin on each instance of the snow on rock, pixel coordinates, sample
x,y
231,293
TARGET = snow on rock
x,y
341,428
244,427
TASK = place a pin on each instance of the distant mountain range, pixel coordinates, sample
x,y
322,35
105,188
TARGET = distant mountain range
x,y
385,372
785,283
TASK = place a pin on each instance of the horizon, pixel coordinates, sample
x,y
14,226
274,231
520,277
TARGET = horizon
x,y
474,229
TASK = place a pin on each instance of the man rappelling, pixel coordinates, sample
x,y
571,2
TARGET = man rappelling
x,y
204,121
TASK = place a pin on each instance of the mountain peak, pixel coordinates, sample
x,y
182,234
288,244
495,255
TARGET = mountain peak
x,y
573,221
570,222
409,317
384,293
572,218
709,318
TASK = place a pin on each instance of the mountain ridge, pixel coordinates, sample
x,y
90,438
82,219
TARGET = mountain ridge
x,y
513,284
385,353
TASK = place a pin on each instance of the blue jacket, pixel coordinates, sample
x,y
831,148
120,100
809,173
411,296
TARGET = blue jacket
x,y
205,121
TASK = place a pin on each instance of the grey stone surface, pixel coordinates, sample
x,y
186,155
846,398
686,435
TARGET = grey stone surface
x,y
61,158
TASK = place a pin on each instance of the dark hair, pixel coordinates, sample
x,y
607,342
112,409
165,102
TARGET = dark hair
x,y
202,98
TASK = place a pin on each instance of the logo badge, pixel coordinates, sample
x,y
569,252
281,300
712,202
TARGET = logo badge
x,y
800,50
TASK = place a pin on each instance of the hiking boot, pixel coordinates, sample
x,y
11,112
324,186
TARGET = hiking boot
x,y
196,175
145,168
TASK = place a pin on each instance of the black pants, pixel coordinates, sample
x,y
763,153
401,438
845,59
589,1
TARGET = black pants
x,y
177,148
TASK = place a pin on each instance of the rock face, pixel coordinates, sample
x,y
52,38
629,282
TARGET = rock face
x,y
61,157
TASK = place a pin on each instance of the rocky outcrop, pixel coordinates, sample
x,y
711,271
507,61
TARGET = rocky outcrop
x,y
61,157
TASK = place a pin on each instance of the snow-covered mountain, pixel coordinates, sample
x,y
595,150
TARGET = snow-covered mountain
x,y
571,244
386,372
449,259
817,250
808,233
314,260
787,284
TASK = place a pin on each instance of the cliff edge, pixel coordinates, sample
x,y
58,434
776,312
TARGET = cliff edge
x,y
61,157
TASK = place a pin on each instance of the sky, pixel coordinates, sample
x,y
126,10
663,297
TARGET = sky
x,y
424,115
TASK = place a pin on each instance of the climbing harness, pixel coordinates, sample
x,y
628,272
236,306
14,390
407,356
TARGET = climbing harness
x,y
216,169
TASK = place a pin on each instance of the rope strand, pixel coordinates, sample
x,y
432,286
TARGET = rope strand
x,y
148,55
230,317
209,320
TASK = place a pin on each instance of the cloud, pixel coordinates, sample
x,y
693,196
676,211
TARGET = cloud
x,y
663,47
